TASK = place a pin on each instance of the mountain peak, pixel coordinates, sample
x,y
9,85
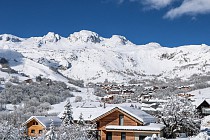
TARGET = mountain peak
x,y
11,38
154,45
51,37
85,36
118,39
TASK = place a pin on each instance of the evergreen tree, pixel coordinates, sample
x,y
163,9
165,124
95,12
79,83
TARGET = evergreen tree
x,y
51,135
8,132
81,120
74,131
67,115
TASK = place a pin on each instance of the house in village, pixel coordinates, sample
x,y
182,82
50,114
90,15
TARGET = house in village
x,y
108,98
113,122
186,88
203,106
119,123
123,94
37,125
185,95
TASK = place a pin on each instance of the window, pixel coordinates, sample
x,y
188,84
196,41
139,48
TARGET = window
x,y
123,136
98,124
121,119
142,137
35,123
40,131
32,131
109,136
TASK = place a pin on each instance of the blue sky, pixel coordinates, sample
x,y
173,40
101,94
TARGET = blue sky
x,y
168,22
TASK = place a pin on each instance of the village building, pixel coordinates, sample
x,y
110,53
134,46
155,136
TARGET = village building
x,y
186,88
108,98
113,122
122,94
37,125
185,95
203,106
119,123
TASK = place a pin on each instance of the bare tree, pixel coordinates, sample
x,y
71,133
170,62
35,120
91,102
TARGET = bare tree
x,y
179,116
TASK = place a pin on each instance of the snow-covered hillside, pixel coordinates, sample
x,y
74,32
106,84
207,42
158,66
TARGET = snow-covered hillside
x,y
85,55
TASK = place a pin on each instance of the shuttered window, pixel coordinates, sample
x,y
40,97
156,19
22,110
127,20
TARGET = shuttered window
x,y
109,136
123,136
32,131
121,119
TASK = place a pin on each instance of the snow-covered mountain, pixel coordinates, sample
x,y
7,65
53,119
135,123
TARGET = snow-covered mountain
x,y
85,55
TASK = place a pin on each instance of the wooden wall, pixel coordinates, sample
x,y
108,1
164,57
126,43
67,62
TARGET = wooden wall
x,y
130,136
113,119
116,135
30,127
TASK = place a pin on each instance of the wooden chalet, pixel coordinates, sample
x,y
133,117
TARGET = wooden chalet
x,y
37,125
203,107
114,92
118,123
185,95
108,98
126,123
184,88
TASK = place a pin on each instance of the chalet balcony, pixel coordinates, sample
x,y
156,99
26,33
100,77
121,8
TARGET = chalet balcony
x,y
206,111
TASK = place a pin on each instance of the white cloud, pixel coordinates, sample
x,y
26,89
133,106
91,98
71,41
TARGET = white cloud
x,y
155,4
189,7
186,7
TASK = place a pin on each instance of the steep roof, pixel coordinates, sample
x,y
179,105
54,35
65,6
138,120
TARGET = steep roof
x,y
45,121
134,113
200,102
95,113
139,114
88,113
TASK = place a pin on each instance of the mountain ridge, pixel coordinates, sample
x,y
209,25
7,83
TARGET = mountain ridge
x,y
87,56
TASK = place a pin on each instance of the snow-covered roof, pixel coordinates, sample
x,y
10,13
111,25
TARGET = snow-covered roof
x,y
157,101
138,114
90,114
150,127
45,120
198,102
108,96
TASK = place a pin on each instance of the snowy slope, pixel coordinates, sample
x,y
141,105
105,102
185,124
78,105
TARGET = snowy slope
x,y
85,55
